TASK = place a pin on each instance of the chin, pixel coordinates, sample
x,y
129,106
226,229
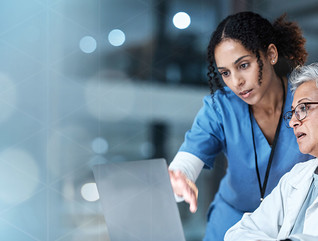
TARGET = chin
x,y
249,101
303,150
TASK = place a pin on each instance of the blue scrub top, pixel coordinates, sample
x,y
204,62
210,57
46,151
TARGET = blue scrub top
x,y
223,125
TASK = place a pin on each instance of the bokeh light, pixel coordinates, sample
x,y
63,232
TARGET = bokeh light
x,y
116,37
88,44
89,192
100,145
19,175
181,20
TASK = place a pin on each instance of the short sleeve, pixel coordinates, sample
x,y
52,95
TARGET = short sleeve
x,y
205,139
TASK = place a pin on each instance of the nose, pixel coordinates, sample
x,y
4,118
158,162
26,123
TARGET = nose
x,y
294,121
237,79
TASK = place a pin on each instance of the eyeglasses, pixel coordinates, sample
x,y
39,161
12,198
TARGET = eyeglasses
x,y
300,112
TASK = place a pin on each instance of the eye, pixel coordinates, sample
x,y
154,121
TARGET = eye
x,y
244,65
302,108
225,73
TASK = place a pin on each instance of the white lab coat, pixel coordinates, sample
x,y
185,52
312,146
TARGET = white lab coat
x,y
275,217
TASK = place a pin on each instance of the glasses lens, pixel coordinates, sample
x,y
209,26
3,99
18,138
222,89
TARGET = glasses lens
x,y
287,117
300,111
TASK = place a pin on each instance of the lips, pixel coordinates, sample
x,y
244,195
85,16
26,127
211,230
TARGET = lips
x,y
245,93
300,135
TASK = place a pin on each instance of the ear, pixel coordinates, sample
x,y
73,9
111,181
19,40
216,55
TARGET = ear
x,y
272,54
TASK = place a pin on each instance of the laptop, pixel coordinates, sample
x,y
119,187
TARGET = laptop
x,y
138,201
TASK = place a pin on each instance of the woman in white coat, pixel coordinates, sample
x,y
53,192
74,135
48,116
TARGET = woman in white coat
x,y
290,212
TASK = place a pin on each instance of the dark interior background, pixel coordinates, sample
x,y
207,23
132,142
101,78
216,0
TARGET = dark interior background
x,y
85,82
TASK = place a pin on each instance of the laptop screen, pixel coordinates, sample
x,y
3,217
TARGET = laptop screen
x,y
138,201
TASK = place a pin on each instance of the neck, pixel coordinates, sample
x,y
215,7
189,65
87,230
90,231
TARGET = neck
x,y
273,100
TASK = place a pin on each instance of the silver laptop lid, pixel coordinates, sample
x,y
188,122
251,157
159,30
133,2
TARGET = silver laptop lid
x,y
138,201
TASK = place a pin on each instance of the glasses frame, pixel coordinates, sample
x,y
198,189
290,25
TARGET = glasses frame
x,y
291,113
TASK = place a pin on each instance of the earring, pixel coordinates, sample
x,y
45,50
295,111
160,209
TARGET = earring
x,y
273,61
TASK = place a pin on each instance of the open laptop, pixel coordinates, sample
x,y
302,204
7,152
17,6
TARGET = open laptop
x,y
138,201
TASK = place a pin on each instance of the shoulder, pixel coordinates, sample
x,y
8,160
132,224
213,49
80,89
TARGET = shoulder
x,y
224,106
304,166
223,98
302,170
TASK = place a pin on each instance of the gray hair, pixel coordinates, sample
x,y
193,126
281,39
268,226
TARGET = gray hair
x,y
302,74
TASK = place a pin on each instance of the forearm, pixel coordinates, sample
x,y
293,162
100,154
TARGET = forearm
x,y
247,229
188,164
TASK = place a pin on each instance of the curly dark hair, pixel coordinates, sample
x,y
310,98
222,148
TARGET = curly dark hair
x,y
256,33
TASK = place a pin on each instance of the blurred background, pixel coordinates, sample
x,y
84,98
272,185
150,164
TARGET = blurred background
x,y
85,82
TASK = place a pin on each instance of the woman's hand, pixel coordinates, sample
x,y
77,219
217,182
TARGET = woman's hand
x,y
185,188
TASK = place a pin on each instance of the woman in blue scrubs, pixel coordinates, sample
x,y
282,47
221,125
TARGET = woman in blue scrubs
x,y
242,119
